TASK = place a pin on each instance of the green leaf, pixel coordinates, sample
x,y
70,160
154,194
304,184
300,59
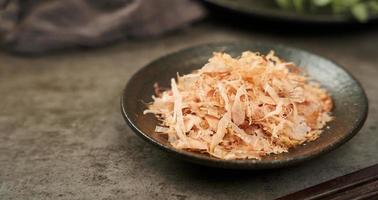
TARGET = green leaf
x,y
285,4
373,6
340,6
321,3
298,5
348,3
337,6
361,12
360,9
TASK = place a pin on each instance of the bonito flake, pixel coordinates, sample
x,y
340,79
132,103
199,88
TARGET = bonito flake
x,y
241,108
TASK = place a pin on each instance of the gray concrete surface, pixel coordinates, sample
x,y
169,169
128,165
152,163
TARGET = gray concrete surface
x,y
62,135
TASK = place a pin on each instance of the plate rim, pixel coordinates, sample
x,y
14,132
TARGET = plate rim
x,y
244,163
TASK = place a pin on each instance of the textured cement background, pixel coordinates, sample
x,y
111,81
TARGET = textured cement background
x,y
62,135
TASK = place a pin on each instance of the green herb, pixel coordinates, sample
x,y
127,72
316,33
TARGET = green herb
x,y
360,9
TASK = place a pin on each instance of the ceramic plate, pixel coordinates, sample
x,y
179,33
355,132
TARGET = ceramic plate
x,y
349,98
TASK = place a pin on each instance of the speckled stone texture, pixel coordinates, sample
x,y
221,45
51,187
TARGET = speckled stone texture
x,y
62,135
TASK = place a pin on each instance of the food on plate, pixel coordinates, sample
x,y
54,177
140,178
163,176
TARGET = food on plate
x,y
241,108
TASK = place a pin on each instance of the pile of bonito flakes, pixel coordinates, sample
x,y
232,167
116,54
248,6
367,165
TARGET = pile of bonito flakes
x,y
241,108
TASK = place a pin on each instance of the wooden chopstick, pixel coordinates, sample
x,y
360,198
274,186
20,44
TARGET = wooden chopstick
x,y
361,185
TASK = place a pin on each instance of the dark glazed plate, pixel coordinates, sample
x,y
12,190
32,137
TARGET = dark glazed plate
x,y
268,9
350,101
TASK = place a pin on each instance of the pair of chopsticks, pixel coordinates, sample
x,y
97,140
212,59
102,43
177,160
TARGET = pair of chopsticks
x,y
359,185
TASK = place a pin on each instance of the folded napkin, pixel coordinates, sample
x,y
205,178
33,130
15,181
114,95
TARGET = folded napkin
x,y
35,26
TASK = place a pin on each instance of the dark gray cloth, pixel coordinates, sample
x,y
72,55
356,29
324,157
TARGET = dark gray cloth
x,y
34,26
